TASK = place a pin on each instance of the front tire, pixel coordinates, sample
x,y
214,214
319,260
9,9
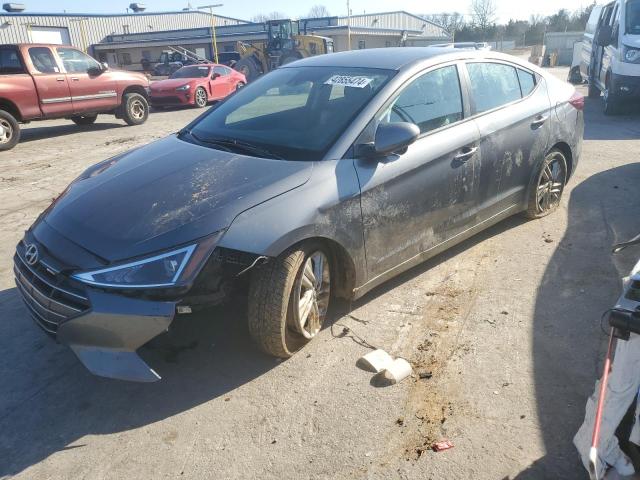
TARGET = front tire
x,y
547,185
288,299
200,98
84,120
594,92
610,100
135,109
9,131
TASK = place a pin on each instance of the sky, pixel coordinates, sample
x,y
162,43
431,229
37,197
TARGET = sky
x,y
245,9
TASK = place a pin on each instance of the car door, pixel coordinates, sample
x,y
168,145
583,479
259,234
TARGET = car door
x,y
219,82
597,72
588,39
415,200
513,112
51,83
92,89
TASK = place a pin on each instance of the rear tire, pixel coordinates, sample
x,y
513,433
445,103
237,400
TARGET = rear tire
x,y
239,85
135,109
9,131
287,304
84,120
547,186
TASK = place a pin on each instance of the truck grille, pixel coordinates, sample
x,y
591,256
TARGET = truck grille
x,y
47,296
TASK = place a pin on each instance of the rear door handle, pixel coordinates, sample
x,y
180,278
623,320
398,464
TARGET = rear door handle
x,y
75,79
60,79
466,153
539,121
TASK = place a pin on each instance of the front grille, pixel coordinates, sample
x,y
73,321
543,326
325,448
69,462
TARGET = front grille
x,y
165,101
48,296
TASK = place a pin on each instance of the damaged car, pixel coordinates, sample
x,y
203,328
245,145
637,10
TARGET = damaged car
x,y
320,180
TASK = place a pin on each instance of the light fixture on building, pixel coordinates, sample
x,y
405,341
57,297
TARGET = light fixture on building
x,y
138,7
14,7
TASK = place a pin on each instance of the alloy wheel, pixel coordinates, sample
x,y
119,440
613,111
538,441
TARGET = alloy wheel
x,y
137,109
6,131
311,296
550,185
201,97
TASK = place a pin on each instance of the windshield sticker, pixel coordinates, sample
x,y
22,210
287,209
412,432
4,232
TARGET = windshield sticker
x,y
348,81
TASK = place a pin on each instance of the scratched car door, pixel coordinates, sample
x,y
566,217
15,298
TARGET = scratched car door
x,y
414,201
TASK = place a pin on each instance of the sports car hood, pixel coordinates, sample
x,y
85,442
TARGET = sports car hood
x,y
167,193
171,84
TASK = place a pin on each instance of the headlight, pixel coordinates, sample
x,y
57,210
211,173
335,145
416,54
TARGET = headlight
x,y
183,88
631,55
158,271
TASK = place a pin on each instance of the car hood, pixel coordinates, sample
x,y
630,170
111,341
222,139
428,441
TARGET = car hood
x,y
171,83
167,193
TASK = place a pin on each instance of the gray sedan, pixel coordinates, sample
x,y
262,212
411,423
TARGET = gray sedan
x,y
322,179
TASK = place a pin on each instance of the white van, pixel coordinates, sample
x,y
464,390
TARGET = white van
x,y
610,59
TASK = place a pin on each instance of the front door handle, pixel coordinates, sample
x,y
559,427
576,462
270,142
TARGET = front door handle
x,y
466,154
539,121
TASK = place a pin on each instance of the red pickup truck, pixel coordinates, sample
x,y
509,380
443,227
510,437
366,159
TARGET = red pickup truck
x,y
41,82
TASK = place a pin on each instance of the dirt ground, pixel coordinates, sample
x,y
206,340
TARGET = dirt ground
x,y
507,324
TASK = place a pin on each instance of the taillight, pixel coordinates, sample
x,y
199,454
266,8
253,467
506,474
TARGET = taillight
x,y
577,101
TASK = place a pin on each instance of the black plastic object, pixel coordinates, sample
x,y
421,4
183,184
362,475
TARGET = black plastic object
x,y
625,321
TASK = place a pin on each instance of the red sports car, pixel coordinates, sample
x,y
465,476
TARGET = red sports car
x,y
196,85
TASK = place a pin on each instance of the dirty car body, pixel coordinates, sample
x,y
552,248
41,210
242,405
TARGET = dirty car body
x,y
297,156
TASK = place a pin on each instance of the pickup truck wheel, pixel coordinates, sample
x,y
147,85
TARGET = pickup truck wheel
x,y
288,299
135,109
84,119
9,131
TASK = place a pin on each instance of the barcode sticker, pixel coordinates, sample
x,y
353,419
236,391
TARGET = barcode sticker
x,y
349,81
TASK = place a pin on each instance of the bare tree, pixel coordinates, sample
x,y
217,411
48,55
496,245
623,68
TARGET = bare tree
x,y
484,13
264,17
318,11
452,22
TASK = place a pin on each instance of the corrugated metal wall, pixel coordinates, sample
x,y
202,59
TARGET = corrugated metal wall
x,y
15,28
396,21
562,44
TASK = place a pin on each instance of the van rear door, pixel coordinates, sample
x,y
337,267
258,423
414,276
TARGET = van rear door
x,y
588,38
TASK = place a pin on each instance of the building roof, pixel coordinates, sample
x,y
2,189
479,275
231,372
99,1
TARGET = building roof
x,y
109,15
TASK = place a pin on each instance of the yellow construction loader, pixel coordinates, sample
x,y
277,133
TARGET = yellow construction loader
x,y
284,44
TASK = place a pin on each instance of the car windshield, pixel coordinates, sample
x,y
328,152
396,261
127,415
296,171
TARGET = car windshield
x,y
293,113
191,72
633,17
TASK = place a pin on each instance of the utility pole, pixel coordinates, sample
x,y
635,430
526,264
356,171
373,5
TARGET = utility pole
x,y
83,33
348,26
214,43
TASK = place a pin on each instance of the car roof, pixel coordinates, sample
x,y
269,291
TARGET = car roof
x,y
398,58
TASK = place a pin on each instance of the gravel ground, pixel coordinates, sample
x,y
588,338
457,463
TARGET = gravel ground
x,y
507,323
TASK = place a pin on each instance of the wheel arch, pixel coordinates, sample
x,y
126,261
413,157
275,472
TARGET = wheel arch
x,y
136,89
10,107
565,148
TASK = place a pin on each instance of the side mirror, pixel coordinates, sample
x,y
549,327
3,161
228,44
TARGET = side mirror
x,y
105,66
392,137
603,38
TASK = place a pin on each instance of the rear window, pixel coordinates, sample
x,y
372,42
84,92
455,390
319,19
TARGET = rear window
x,y
527,82
10,61
493,85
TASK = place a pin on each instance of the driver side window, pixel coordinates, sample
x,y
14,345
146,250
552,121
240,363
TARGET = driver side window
x,y
432,101
75,61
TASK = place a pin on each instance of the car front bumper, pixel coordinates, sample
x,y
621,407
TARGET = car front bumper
x,y
625,86
104,330
173,98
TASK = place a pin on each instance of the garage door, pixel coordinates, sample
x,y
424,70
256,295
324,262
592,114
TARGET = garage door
x,y
57,35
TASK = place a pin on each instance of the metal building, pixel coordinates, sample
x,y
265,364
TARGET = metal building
x,y
83,30
376,30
